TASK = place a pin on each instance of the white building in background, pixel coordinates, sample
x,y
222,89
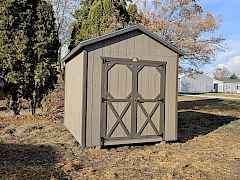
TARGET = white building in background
x,y
227,86
195,83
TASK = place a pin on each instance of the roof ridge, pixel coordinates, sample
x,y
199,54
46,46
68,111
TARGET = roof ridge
x,y
112,34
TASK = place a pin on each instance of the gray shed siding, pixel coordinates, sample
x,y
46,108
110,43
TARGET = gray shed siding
x,y
128,46
195,83
74,82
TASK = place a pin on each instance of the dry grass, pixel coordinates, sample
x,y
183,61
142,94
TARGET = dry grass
x,y
190,98
209,148
224,95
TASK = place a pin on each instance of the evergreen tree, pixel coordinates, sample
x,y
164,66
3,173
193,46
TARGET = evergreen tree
x,y
133,14
233,76
81,16
14,19
93,18
28,50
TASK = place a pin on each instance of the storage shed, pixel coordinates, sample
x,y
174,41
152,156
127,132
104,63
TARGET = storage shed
x,y
121,88
195,83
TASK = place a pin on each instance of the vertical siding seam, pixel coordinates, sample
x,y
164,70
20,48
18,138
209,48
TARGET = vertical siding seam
x,y
89,122
65,93
84,98
92,103
176,98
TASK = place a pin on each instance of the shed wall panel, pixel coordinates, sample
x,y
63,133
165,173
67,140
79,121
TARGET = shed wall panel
x,y
73,96
142,47
171,100
93,99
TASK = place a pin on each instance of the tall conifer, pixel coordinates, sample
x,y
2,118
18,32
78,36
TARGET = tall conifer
x,y
28,50
96,17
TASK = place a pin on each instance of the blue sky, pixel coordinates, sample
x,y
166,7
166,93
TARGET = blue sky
x,y
229,13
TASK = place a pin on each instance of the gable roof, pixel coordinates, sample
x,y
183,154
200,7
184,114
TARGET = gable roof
x,y
193,75
113,34
228,80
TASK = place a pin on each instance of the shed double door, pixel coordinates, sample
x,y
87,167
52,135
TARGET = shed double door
x,y
133,98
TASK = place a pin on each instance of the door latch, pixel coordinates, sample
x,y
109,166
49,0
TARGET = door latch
x,y
104,99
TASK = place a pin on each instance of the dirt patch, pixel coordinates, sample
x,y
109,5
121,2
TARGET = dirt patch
x,y
28,161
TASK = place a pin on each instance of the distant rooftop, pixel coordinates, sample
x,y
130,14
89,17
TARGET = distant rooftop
x,y
228,80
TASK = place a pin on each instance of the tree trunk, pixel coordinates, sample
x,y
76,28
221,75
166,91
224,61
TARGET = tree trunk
x,y
15,105
33,103
33,106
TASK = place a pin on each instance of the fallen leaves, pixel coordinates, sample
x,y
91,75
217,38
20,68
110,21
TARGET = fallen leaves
x,y
39,146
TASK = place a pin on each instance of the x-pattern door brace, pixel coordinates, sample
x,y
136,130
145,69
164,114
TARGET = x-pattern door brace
x,y
118,117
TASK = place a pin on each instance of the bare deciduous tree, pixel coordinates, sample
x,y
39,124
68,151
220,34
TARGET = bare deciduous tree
x,y
222,72
63,10
187,25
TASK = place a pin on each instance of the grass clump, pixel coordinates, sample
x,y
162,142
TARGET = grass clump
x,y
1,141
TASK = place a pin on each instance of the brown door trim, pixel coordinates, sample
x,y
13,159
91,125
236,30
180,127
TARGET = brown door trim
x,y
134,99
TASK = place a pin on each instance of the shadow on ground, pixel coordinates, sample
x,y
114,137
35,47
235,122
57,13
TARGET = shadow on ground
x,y
28,162
192,123
209,104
